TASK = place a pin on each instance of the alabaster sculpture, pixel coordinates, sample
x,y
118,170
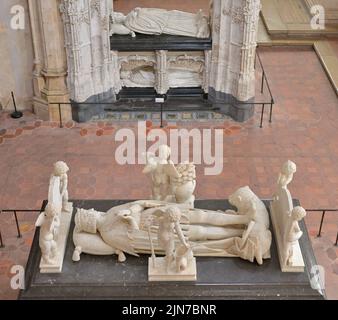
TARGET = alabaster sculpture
x,y
123,229
285,177
60,172
126,228
49,223
169,182
54,222
178,264
169,228
285,218
154,21
293,234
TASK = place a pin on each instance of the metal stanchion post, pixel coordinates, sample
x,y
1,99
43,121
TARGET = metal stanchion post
x,y
16,114
161,99
60,115
271,108
262,87
321,224
17,225
262,115
161,115
1,242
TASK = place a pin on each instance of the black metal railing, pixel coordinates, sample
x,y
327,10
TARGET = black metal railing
x,y
265,81
17,223
323,211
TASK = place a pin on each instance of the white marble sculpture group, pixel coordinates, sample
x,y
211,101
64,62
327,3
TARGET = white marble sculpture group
x,y
169,225
155,21
285,218
54,222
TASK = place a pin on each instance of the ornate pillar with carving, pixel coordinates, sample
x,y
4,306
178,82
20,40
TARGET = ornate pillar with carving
x,y
90,63
234,31
40,106
162,82
206,70
54,69
246,83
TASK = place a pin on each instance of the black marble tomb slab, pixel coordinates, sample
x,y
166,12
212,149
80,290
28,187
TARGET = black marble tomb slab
x,y
144,42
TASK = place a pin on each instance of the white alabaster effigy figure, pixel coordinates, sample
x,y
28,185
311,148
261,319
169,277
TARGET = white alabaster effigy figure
x,y
178,263
60,171
157,168
293,233
115,231
175,184
255,242
243,233
55,221
285,177
49,224
117,25
285,220
169,223
155,21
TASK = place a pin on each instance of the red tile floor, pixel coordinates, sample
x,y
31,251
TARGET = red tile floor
x,y
304,129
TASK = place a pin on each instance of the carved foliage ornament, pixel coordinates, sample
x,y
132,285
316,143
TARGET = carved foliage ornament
x,y
251,10
248,13
132,62
217,24
95,5
185,62
105,23
71,14
236,14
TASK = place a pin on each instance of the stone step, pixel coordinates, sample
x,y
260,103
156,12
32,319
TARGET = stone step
x,y
326,53
331,9
291,19
329,60
293,12
172,104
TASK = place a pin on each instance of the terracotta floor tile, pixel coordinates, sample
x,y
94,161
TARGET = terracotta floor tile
x,y
304,129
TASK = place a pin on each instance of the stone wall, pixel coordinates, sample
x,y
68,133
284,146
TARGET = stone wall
x,y
16,56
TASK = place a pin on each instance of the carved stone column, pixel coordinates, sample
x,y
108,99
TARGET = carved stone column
x,y
116,73
162,82
54,68
234,30
206,71
246,83
38,80
91,68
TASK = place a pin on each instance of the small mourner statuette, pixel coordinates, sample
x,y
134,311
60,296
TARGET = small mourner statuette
x,y
178,263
